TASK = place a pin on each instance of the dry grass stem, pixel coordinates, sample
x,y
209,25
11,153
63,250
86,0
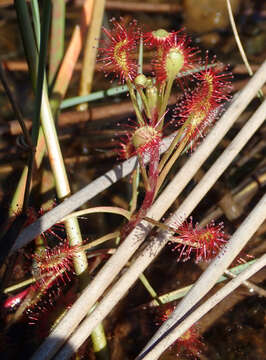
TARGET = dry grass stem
x,y
251,286
176,332
90,52
237,39
72,54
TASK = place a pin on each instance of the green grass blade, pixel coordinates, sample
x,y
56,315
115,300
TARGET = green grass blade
x,y
98,95
57,38
36,21
27,37
41,69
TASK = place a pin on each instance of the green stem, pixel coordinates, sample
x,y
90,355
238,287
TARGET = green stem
x,y
57,38
62,185
140,69
29,172
17,200
20,285
135,103
145,102
135,185
98,95
36,21
100,240
41,70
171,148
170,163
99,209
161,90
165,100
177,294
15,108
61,180
27,37
99,343
38,96
150,289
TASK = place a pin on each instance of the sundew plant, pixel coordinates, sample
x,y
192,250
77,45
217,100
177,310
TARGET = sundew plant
x,y
69,274
194,114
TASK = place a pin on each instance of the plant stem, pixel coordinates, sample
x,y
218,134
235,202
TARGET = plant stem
x,y
52,144
170,163
38,93
100,209
135,103
149,288
144,102
179,293
97,95
99,342
252,287
61,181
101,240
170,229
135,185
156,348
144,173
17,200
57,39
36,21
15,108
63,188
165,100
41,70
171,148
27,38
90,50
239,45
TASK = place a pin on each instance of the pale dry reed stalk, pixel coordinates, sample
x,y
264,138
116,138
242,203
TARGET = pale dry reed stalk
x,y
176,332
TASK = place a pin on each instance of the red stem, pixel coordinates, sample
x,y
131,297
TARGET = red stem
x,y
149,195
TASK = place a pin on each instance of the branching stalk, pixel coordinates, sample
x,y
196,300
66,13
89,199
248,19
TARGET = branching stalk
x,y
135,103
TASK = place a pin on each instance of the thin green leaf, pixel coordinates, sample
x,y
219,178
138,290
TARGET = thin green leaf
x,y
98,95
41,69
36,21
27,37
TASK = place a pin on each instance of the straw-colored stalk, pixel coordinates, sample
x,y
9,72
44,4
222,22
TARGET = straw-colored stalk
x,y
90,52
178,331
